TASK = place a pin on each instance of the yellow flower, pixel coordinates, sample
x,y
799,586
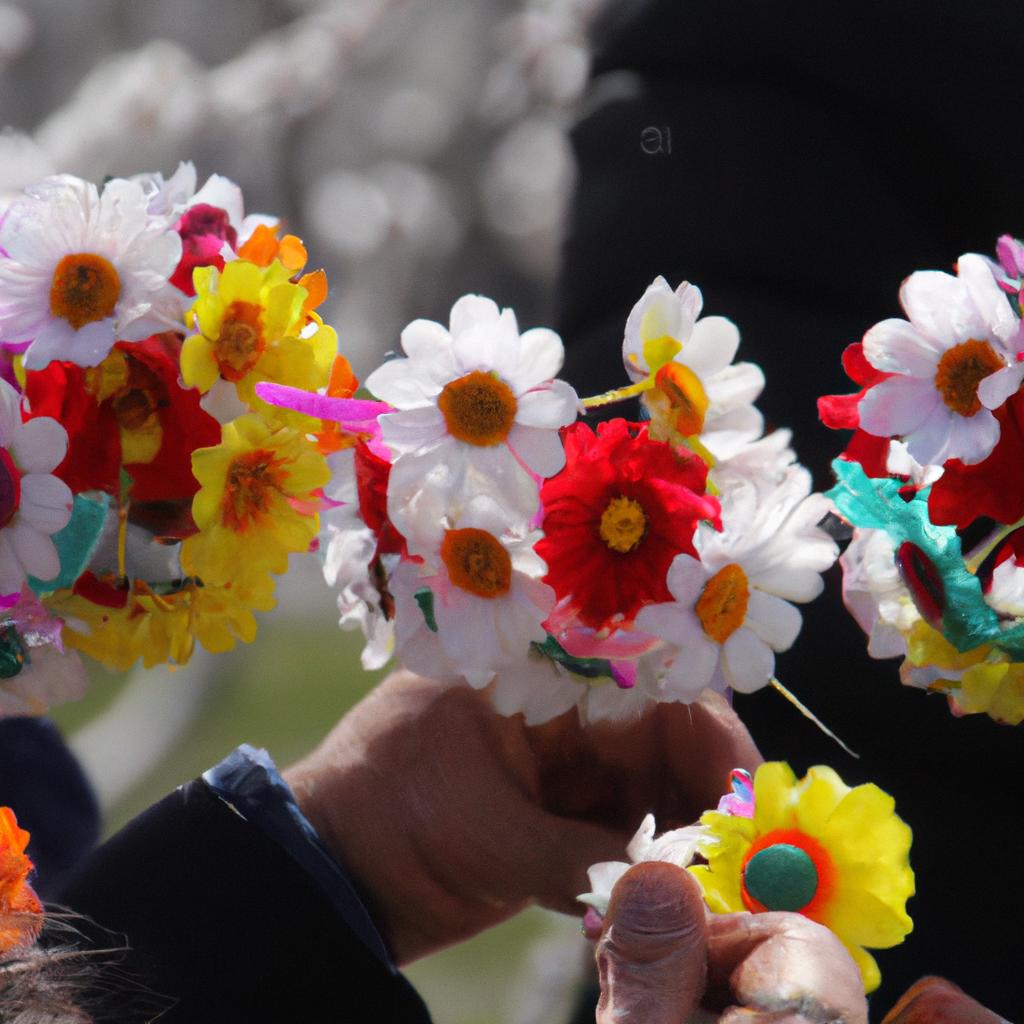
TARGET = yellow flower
x,y
164,628
254,324
257,501
834,854
995,689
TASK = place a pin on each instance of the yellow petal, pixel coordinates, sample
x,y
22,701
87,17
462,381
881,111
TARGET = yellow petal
x,y
869,972
774,797
198,364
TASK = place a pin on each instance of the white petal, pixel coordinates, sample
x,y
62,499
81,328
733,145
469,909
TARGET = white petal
x,y
686,578
40,445
928,442
895,346
896,406
734,386
423,339
997,387
470,310
45,502
552,407
541,450
937,304
775,621
996,316
747,660
692,670
712,345
973,438
541,353
412,429
402,383
34,550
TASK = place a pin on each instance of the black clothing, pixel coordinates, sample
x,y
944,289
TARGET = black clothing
x,y
804,159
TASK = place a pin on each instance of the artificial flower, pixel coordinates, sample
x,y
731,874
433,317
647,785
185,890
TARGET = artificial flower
x,y
614,519
257,501
474,404
129,413
83,269
679,846
951,363
731,600
691,386
34,504
254,325
21,913
837,855
476,601
117,624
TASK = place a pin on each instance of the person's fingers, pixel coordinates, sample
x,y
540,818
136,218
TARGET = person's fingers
x,y
937,1001
781,969
651,955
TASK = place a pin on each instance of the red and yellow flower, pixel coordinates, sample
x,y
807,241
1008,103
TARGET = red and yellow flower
x,y
21,913
819,848
616,517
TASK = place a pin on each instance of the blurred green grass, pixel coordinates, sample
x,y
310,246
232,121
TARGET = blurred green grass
x,y
284,692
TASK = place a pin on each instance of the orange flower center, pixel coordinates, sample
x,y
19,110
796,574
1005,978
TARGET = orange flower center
x,y
478,408
686,397
961,369
241,342
253,480
722,605
85,288
477,562
623,524
782,867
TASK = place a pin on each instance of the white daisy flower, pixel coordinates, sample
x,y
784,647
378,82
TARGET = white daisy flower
x,y
953,361
33,503
83,269
475,404
476,603
875,594
700,391
732,608
678,847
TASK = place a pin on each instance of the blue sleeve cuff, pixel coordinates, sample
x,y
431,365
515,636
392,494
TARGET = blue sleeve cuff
x,y
249,782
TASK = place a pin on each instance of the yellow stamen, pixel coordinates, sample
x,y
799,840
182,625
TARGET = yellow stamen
x,y
478,408
623,524
477,562
619,394
722,605
961,369
85,288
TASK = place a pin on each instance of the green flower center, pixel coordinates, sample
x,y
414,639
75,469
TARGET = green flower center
x,y
781,877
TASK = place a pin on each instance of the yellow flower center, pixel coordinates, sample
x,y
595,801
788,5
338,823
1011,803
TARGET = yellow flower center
x,y
85,288
240,342
253,479
477,562
686,397
722,605
623,524
961,369
478,408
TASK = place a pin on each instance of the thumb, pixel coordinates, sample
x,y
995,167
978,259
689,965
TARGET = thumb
x,y
651,957
937,1001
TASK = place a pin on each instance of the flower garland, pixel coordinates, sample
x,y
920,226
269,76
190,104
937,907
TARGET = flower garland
x,y
481,532
931,482
137,464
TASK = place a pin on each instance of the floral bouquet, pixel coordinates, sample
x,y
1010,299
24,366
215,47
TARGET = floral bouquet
x,y
932,482
147,495
813,846
480,531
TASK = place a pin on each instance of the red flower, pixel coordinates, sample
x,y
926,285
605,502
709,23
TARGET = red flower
x,y
204,230
839,412
130,411
616,517
993,487
372,475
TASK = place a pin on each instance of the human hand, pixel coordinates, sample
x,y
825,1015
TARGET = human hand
x,y
663,959
452,818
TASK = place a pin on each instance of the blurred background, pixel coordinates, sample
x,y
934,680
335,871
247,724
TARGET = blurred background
x,y
419,147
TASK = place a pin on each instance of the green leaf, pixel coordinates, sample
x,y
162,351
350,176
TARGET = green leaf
x,y
424,597
589,668
75,543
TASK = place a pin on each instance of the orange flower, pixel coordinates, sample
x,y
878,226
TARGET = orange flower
x,y
21,913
